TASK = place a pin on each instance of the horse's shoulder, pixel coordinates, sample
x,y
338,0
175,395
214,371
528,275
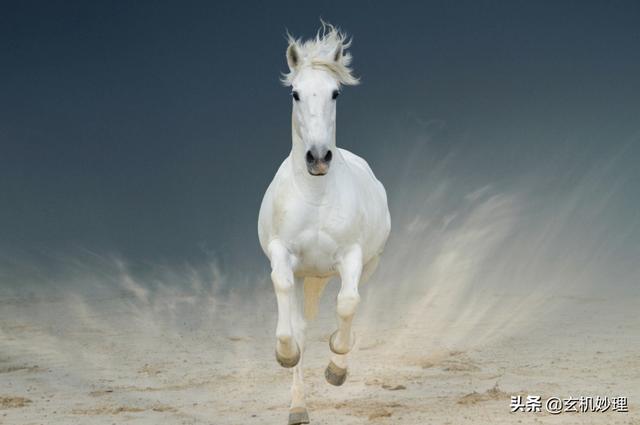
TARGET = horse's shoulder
x,y
353,159
285,167
283,173
281,185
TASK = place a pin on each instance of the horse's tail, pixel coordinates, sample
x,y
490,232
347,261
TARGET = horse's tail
x,y
313,288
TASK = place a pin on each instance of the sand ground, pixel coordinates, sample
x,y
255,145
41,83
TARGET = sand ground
x,y
186,358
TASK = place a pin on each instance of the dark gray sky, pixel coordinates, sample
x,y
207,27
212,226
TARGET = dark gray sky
x,y
151,129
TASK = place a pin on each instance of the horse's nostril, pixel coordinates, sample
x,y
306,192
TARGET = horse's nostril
x,y
309,157
328,156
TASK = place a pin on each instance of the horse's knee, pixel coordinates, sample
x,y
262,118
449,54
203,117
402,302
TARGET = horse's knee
x,y
281,272
347,303
282,281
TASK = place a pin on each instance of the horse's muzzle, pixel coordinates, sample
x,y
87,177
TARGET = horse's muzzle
x,y
318,168
318,162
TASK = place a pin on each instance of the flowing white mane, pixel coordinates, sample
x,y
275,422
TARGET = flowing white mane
x,y
326,51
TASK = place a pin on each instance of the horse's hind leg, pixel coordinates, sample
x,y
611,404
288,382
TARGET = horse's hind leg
x,y
287,350
298,410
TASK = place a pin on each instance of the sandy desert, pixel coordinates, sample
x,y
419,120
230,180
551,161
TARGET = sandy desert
x,y
130,353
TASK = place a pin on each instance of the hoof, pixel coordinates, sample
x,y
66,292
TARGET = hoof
x,y
333,349
291,362
298,415
334,374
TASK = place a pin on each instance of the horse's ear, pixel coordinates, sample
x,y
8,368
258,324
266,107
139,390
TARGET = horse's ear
x,y
293,57
337,54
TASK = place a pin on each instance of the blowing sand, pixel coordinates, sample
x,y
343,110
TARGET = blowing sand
x,y
141,356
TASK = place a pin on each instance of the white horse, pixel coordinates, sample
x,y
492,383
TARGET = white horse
x,y
324,214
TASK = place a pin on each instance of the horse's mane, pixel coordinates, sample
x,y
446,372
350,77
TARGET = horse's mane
x,y
317,52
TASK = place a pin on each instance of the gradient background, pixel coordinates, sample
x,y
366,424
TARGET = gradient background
x,y
137,140
149,131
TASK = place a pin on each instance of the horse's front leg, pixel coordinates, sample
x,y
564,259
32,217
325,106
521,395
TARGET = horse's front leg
x,y
350,269
287,349
298,410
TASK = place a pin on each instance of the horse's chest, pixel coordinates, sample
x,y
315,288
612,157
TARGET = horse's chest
x,y
317,234
316,250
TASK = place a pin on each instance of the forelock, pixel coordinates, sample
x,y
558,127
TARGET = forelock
x,y
317,53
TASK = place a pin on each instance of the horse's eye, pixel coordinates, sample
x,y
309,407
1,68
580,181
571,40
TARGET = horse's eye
x,y
295,95
335,94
